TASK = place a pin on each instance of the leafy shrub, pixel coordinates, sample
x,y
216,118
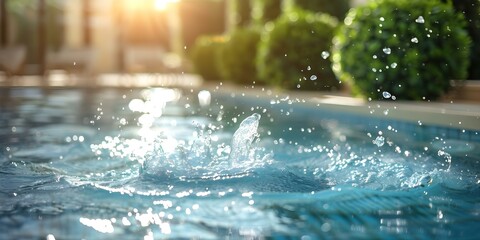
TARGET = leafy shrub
x,y
268,10
295,52
471,10
336,8
238,56
205,56
242,12
409,48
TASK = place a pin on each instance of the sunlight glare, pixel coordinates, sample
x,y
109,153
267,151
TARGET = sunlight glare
x,y
162,5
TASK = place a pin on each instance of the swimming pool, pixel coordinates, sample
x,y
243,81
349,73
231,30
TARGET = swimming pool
x,y
173,163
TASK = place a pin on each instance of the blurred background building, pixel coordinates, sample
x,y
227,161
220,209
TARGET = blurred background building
x,y
93,37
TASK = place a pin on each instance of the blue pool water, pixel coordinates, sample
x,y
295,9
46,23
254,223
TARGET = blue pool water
x,y
169,163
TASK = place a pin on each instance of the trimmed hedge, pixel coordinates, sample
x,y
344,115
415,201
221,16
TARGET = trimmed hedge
x,y
336,8
238,56
269,10
294,54
471,10
409,48
242,13
205,56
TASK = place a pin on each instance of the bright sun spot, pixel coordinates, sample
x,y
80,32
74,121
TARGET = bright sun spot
x,y
163,4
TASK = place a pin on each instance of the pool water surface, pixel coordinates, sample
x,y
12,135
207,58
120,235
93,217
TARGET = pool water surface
x,y
180,163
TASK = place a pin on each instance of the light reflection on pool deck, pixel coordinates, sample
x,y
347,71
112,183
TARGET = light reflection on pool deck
x,y
155,163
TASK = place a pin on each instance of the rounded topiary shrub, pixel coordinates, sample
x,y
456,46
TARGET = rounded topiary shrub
x,y
409,48
336,8
267,10
205,56
294,52
238,56
242,12
471,10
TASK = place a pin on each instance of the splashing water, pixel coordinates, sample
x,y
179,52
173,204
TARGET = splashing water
x,y
243,138
200,158
178,173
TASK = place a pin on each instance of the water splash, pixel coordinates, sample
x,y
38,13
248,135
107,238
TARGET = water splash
x,y
243,138
207,154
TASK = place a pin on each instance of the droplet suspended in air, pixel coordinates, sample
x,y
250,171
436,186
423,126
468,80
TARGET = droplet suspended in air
x,y
387,50
379,141
313,77
386,94
309,68
393,65
325,54
414,40
420,20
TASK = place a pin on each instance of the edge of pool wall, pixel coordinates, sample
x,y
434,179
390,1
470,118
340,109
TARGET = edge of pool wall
x,y
451,120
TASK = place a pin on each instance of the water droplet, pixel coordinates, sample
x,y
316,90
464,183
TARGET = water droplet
x,y
123,121
387,50
379,141
414,40
309,68
420,20
393,65
313,77
374,56
386,94
382,19
325,54
204,98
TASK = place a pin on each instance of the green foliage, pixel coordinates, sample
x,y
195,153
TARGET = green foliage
x,y
198,18
205,56
242,13
336,8
471,10
238,56
290,54
409,48
269,10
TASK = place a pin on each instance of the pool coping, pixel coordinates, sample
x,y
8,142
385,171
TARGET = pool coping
x,y
462,116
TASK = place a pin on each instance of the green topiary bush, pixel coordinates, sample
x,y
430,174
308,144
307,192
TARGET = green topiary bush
x,y
242,12
336,8
294,53
268,10
205,56
471,10
409,48
238,56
